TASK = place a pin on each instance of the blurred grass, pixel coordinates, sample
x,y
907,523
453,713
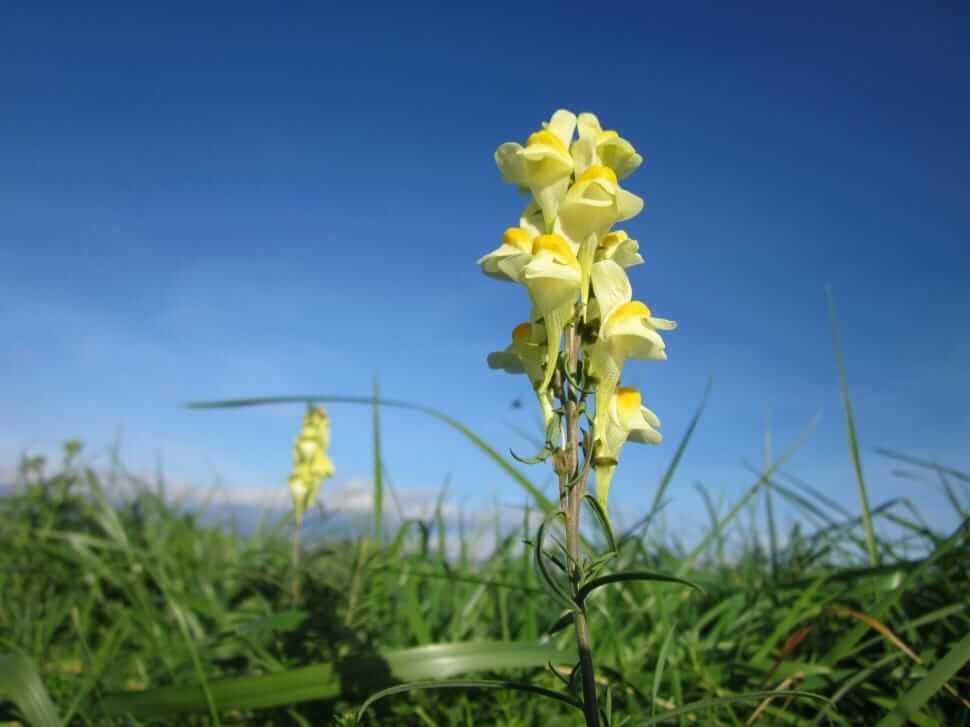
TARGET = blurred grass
x,y
133,612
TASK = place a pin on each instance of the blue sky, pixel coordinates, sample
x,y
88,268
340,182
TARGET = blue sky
x,y
246,200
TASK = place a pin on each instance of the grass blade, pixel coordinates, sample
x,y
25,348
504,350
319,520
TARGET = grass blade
x,y
378,466
892,454
853,438
658,673
324,681
915,698
630,576
688,561
20,684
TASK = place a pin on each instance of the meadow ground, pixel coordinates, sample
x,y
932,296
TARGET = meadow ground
x,y
134,612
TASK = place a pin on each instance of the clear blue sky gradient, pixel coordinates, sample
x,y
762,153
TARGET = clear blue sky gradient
x,y
205,202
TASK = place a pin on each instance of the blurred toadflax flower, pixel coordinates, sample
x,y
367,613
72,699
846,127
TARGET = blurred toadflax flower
x,y
311,463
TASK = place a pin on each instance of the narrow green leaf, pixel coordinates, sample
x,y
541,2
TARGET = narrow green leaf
x,y
546,579
562,622
378,465
957,474
844,646
325,681
625,576
911,702
542,456
658,673
603,520
850,684
853,438
20,684
688,561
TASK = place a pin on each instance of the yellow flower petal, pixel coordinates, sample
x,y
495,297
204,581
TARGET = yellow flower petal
x,y
515,241
628,403
627,205
647,435
557,248
611,287
588,124
663,324
551,284
542,138
307,447
597,174
584,149
617,153
546,160
511,266
522,333
652,419
507,360
510,163
594,203
563,124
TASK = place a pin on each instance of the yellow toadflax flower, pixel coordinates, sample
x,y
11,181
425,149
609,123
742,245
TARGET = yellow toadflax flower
x,y
543,165
627,330
311,463
595,203
525,355
619,247
515,241
596,146
572,262
553,277
626,418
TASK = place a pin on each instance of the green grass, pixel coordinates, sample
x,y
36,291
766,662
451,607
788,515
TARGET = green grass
x,y
134,613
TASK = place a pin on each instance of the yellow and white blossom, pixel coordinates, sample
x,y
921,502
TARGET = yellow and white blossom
x,y
626,418
507,260
311,463
525,355
619,247
594,203
515,241
572,264
553,277
628,329
596,146
544,165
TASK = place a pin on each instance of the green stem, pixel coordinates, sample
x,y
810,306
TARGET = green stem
x,y
295,559
568,466
355,583
584,642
